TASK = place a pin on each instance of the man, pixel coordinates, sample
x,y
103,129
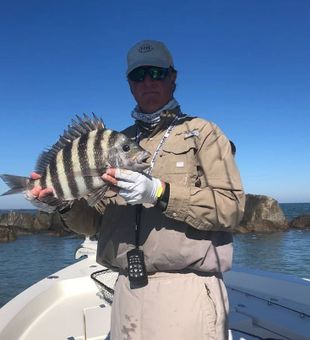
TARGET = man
x,y
172,225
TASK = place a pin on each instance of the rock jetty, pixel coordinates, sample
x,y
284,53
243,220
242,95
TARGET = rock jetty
x,y
7,234
16,223
300,222
262,214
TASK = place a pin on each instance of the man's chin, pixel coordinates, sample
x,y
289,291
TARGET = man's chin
x,y
151,106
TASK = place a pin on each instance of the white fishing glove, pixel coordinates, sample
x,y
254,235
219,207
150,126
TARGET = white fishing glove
x,y
137,188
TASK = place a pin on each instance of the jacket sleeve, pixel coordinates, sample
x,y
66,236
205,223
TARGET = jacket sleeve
x,y
82,218
217,204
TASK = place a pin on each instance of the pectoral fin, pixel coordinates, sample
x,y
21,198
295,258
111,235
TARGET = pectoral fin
x,y
95,196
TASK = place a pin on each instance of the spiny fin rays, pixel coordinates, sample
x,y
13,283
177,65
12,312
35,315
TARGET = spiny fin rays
x,y
75,130
87,123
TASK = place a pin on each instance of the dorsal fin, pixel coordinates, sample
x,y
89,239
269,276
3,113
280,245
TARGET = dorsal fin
x,y
76,129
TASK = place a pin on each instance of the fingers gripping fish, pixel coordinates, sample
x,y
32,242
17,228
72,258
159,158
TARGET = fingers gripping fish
x,y
73,166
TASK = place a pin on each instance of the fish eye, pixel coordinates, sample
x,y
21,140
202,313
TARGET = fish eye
x,y
126,147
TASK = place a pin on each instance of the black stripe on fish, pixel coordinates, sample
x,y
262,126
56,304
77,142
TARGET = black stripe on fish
x,y
110,144
84,161
68,166
98,151
43,181
55,179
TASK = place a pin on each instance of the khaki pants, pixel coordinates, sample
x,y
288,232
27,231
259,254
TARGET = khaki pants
x,y
173,306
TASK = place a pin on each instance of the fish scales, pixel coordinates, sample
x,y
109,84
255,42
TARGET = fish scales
x,y
75,159
61,161
76,172
48,179
65,173
43,180
55,179
73,167
86,157
98,149
112,141
79,158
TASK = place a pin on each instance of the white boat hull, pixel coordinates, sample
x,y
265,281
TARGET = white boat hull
x,y
68,305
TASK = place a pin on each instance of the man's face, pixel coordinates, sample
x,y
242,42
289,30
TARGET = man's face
x,y
150,94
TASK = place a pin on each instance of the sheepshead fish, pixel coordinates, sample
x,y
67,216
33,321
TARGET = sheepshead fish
x,y
73,166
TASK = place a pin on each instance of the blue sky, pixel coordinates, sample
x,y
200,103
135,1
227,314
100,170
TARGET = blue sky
x,y
243,64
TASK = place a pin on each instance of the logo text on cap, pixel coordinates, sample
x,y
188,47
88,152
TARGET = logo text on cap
x,y
145,48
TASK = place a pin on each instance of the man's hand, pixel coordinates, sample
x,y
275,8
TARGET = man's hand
x,y
134,187
36,196
38,192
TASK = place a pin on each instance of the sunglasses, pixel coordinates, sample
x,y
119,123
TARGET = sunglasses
x,y
156,73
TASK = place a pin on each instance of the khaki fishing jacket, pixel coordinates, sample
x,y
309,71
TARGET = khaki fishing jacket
x,y
206,202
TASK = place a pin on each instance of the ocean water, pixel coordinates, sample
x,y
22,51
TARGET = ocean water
x,y
292,210
284,252
33,257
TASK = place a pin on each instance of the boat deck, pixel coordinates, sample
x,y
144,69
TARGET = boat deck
x,y
69,305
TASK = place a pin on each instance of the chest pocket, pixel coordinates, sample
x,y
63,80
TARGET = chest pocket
x,y
177,162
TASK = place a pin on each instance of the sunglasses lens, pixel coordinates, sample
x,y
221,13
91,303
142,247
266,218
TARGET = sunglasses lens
x,y
138,74
156,73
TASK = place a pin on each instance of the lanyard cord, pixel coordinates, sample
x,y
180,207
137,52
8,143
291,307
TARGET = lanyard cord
x,y
148,171
138,223
160,144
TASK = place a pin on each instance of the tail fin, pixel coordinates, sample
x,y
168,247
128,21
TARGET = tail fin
x,y
16,183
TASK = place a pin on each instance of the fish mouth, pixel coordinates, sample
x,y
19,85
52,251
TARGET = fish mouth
x,y
142,160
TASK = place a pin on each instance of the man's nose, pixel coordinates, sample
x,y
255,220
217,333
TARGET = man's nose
x,y
148,80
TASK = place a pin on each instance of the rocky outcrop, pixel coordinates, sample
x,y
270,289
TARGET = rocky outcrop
x,y
21,222
16,223
262,214
300,222
51,223
7,234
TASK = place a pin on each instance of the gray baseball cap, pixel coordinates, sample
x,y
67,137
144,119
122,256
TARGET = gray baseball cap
x,y
148,52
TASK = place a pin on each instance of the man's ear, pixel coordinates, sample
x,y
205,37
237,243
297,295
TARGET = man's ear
x,y
173,77
130,87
